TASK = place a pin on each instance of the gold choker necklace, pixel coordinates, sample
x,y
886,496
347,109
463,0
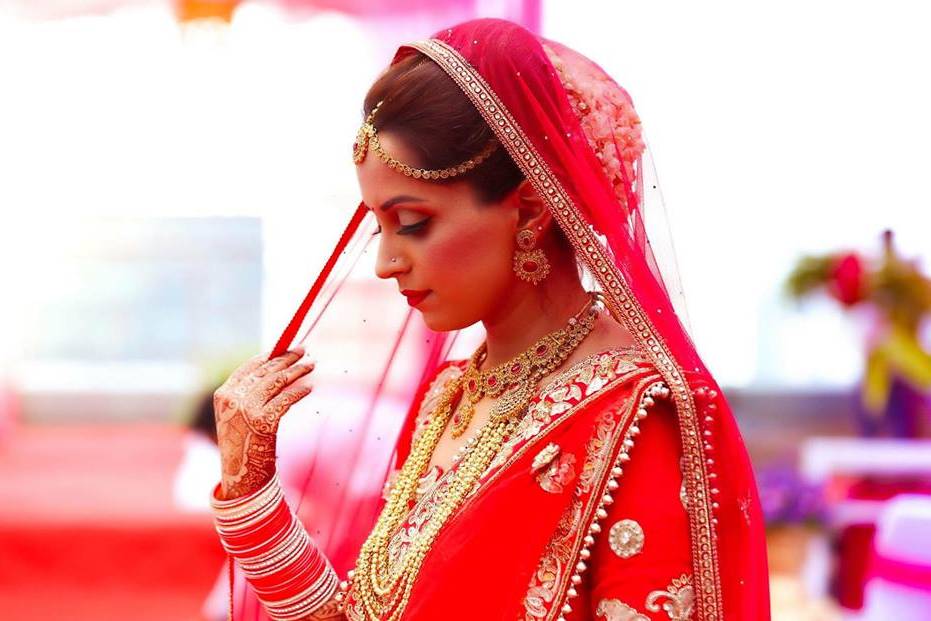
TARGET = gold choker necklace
x,y
537,361
384,575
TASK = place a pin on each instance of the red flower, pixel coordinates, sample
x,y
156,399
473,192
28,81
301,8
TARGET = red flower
x,y
847,279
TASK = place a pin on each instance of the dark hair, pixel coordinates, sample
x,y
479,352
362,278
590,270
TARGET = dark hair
x,y
425,108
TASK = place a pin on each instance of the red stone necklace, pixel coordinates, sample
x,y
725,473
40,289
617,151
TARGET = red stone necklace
x,y
520,374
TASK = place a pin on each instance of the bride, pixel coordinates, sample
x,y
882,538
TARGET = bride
x,y
582,462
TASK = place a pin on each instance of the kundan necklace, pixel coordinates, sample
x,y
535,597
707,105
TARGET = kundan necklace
x,y
384,575
539,359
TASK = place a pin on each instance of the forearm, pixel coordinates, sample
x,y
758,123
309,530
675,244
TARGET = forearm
x,y
291,577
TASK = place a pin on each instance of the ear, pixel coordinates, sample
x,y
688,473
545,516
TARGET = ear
x,y
532,212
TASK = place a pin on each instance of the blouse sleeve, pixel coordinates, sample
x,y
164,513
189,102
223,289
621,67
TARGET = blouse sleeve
x,y
641,563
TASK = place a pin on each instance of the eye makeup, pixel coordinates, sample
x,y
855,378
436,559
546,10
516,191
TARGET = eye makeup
x,y
407,229
416,227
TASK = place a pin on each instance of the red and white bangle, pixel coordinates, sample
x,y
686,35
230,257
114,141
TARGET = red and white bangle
x,y
288,573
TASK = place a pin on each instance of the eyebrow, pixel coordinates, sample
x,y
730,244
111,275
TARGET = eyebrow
x,y
403,198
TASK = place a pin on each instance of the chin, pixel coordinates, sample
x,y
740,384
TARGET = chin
x,y
439,321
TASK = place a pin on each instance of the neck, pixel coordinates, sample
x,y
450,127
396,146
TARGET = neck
x,y
530,312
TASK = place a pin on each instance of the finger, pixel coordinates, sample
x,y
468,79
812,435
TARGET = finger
x,y
246,368
280,404
281,362
273,385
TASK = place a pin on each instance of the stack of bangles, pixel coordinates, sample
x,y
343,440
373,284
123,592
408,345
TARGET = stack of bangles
x,y
290,576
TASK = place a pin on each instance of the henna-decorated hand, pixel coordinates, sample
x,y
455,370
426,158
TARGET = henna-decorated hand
x,y
247,409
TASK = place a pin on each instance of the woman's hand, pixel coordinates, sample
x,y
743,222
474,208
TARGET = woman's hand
x,y
247,409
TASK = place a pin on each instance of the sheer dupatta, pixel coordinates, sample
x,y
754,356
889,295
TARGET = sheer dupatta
x,y
595,173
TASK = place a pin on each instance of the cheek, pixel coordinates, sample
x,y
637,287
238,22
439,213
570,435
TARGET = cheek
x,y
469,268
469,254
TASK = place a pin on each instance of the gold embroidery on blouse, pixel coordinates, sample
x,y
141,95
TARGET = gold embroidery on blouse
x,y
560,395
559,474
427,405
429,482
626,538
552,566
564,392
431,489
353,611
545,457
679,596
616,610
556,561
597,450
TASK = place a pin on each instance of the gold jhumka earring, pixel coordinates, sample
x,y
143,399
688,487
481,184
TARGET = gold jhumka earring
x,y
367,138
530,264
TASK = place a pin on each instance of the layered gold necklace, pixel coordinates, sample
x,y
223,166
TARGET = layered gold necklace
x,y
383,587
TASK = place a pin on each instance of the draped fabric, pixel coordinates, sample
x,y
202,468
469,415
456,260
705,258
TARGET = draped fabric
x,y
574,133
511,552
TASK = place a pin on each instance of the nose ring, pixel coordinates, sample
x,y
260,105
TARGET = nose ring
x,y
394,259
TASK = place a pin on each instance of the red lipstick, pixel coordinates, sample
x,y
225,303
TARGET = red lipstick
x,y
415,297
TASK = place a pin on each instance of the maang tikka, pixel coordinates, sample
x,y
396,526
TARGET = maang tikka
x,y
367,140
530,264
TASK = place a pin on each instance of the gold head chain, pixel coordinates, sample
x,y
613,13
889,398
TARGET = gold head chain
x,y
367,138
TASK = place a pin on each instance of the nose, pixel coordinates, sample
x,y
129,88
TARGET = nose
x,y
389,264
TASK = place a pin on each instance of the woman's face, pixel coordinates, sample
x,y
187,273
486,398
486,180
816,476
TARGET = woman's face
x,y
450,254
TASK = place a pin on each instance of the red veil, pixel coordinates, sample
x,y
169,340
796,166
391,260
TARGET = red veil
x,y
573,132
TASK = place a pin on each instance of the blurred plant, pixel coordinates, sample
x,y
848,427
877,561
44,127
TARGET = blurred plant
x,y
787,499
900,293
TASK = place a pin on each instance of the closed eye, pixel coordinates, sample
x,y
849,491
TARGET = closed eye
x,y
408,229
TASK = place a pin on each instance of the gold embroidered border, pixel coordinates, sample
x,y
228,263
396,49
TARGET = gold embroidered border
x,y
620,302
596,492
601,488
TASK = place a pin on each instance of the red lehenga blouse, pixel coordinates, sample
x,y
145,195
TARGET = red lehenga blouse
x,y
596,452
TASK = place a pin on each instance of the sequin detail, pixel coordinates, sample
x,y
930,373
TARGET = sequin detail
x,y
545,457
626,538
616,610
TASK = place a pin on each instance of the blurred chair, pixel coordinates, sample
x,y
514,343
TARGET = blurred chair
x,y
899,579
861,477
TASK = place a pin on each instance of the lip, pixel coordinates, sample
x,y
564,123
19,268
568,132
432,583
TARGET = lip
x,y
415,297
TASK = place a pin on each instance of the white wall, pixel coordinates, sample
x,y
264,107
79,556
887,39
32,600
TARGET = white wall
x,y
778,128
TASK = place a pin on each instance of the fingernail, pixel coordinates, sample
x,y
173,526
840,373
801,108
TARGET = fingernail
x,y
298,349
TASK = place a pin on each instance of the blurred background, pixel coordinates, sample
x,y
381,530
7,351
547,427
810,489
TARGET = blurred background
x,y
172,173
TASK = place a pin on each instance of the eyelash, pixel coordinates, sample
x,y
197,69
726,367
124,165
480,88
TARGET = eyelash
x,y
409,229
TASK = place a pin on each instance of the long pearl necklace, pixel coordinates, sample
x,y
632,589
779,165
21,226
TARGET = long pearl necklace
x,y
384,588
